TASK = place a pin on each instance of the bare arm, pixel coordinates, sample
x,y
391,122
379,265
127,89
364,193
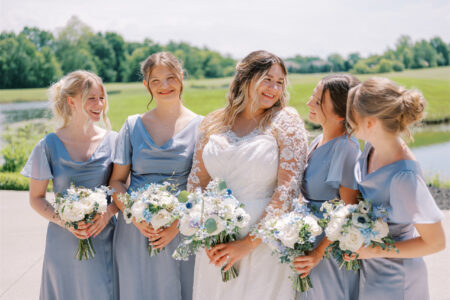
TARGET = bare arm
x,y
118,182
431,240
40,204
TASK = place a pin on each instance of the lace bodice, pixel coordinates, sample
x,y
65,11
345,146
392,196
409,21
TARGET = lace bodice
x,y
262,168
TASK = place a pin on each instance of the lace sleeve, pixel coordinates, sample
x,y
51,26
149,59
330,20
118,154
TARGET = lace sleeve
x,y
291,137
198,177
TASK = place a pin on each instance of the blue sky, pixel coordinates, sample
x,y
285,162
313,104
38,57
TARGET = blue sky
x,y
236,27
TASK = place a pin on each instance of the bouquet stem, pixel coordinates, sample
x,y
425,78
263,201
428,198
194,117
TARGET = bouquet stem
x,y
85,250
302,284
232,272
352,265
151,251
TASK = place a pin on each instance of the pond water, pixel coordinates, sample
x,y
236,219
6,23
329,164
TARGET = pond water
x,y
434,159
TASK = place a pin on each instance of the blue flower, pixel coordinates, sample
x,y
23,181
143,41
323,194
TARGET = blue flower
x,y
229,192
147,215
188,205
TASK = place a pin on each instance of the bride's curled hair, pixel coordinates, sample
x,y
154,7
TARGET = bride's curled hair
x,y
252,68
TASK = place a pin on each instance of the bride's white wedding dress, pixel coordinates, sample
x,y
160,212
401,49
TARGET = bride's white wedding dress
x,y
263,170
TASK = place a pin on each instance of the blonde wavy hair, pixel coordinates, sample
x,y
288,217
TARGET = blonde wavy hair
x,y
395,106
72,85
252,68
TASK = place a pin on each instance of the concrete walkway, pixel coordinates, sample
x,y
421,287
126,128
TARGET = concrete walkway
x,y
22,240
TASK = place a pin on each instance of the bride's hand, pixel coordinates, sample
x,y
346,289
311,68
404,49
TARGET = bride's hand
x,y
229,253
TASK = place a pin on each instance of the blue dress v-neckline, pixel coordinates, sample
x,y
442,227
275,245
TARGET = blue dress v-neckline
x,y
99,146
171,139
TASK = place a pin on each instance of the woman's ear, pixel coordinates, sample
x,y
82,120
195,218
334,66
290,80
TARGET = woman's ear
x,y
71,102
371,122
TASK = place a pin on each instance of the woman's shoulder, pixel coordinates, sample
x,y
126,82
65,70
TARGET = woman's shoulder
x,y
287,111
288,119
346,142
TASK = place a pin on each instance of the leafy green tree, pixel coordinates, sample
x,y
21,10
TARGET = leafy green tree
x,y
40,38
337,62
72,49
424,55
119,47
103,56
442,50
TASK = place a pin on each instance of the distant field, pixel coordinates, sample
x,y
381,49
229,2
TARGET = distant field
x,y
203,96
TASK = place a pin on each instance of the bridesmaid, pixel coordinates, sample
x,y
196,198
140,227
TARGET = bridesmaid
x,y
329,174
388,174
155,146
79,152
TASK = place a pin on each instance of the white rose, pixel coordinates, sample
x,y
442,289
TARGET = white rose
x,y
188,223
342,212
314,227
102,205
137,209
288,234
333,229
162,218
352,240
74,212
326,206
383,230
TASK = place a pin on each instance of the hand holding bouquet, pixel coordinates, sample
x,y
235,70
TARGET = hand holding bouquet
x,y
156,204
290,235
209,218
350,227
79,204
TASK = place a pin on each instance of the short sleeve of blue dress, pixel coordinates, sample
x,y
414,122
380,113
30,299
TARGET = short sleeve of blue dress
x,y
411,200
123,150
342,164
38,166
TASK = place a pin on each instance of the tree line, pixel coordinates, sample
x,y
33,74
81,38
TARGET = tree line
x,y
36,58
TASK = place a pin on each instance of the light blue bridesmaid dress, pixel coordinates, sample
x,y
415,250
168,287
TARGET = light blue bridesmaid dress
x,y
63,276
137,275
401,189
329,167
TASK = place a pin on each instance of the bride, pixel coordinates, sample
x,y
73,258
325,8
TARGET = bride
x,y
258,146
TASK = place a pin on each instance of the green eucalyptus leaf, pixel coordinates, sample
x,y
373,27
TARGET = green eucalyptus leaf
x,y
210,225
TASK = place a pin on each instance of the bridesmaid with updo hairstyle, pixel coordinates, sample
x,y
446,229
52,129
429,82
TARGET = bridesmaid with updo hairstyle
x,y
79,152
387,172
329,175
151,148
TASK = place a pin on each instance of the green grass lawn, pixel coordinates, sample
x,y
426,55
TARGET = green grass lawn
x,y
205,95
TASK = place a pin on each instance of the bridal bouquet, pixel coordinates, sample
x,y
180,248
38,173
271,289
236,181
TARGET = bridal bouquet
x,y
79,204
156,204
209,218
290,235
349,227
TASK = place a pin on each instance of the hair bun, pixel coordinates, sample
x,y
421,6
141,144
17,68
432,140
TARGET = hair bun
x,y
413,106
